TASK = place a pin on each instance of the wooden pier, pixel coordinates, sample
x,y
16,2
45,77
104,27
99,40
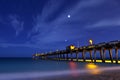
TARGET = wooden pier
x,y
73,53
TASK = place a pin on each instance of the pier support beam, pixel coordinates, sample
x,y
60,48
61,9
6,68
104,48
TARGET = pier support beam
x,y
95,56
91,55
110,53
63,56
104,50
71,56
67,56
77,56
101,55
116,55
58,57
83,55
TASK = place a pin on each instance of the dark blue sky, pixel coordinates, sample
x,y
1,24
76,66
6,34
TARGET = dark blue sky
x,y
29,26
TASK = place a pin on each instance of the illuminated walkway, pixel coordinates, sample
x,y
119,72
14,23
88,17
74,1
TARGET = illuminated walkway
x,y
79,53
98,61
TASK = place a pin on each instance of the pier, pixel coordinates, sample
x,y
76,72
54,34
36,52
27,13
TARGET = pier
x,y
72,53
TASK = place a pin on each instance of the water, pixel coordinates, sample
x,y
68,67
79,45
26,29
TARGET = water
x,y
28,69
28,65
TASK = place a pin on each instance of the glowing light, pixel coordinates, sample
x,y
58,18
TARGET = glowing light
x,y
72,47
36,54
69,16
73,68
93,68
91,42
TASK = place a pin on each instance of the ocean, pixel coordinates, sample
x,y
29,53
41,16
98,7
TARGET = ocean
x,y
29,69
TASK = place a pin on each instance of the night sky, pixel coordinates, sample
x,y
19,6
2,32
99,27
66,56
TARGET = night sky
x,y
30,26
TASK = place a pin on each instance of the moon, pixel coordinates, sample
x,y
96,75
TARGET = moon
x,y
69,16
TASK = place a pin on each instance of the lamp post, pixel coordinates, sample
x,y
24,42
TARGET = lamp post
x,y
90,41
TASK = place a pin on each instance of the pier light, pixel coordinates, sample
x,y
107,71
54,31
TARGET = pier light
x,y
36,54
91,41
72,47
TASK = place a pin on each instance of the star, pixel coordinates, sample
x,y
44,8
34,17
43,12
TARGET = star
x,y
66,40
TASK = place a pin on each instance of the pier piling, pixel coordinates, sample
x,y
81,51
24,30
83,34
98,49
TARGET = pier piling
x,y
116,55
110,53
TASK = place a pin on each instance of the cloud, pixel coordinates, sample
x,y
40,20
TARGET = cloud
x,y
51,7
3,20
1,40
16,23
0,19
45,47
48,33
5,45
51,31
57,35
60,28
76,10
105,23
